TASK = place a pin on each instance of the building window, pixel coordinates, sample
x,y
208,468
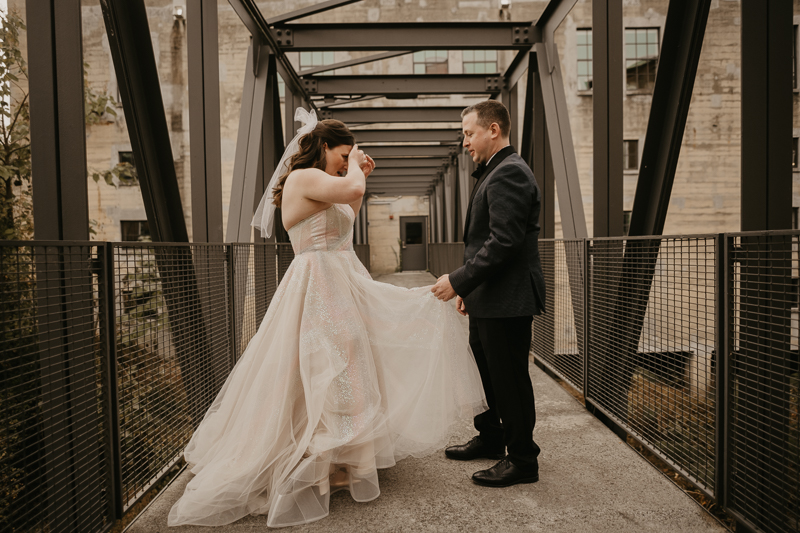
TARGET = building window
x,y
630,155
794,153
479,61
641,58
626,222
126,169
584,59
794,217
315,59
135,230
430,62
794,57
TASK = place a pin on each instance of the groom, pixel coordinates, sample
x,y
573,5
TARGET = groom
x,y
500,287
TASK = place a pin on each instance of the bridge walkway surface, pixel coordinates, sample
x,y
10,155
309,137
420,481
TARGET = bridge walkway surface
x,y
590,481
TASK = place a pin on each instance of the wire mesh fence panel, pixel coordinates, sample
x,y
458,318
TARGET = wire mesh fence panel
x,y
172,351
445,257
255,278
764,382
285,258
55,468
558,334
652,345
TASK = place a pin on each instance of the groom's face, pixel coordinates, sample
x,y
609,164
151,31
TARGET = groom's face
x,y
477,139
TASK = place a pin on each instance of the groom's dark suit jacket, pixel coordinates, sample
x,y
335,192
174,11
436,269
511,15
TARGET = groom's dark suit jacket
x,y
502,274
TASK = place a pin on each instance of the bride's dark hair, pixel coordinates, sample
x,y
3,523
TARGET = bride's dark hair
x,y
312,153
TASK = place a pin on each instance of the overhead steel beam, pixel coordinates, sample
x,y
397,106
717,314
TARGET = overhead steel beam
x,y
408,162
416,135
397,36
310,10
354,62
402,179
204,120
350,115
672,94
379,172
410,150
607,94
518,67
766,198
562,149
138,79
254,21
410,86
58,156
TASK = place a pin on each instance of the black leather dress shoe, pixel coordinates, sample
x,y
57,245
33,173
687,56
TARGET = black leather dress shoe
x,y
505,474
474,449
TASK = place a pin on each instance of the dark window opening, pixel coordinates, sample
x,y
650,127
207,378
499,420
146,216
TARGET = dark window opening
x,y
135,230
126,169
414,233
585,69
626,222
630,155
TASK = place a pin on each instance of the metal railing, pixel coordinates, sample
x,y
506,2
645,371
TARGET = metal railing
x,y
444,257
111,355
638,325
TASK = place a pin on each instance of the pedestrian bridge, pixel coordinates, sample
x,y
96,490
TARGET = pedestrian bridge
x,y
590,480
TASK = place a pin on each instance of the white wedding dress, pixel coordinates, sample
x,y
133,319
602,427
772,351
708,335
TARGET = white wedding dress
x,y
345,375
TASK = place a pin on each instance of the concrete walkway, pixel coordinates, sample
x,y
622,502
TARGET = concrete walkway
x,y
589,481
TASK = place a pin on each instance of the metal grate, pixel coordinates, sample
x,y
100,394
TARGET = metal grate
x,y
558,334
764,386
652,345
55,456
255,278
172,352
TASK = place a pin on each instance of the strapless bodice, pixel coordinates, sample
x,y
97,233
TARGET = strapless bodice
x,y
330,230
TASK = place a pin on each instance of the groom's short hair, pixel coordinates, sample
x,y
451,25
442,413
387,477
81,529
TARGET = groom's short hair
x,y
488,112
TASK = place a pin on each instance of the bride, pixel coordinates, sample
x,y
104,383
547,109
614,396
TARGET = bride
x,y
345,374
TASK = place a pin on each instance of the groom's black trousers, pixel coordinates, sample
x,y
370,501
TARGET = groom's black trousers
x,y
501,347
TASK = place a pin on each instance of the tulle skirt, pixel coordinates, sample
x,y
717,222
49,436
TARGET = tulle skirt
x,y
344,376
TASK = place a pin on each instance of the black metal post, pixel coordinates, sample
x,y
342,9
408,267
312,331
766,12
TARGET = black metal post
x,y
767,34
108,332
58,153
724,342
607,57
204,123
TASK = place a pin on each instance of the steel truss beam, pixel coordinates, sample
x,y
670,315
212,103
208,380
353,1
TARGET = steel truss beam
x,y
248,146
380,172
562,150
417,135
61,204
259,28
410,150
351,115
354,62
397,36
410,86
137,76
408,162
310,10
204,120
672,94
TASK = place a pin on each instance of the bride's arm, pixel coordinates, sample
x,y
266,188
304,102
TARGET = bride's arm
x,y
314,184
367,168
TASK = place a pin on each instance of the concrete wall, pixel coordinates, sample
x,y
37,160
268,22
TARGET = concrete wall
x,y
384,229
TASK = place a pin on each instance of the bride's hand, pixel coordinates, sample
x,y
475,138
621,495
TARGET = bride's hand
x,y
357,158
368,166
